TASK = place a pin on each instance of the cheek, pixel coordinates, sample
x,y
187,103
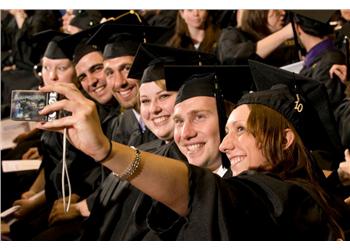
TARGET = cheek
x,y
177,135
144,112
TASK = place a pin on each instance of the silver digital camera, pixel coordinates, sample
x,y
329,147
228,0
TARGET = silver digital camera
x,y
26,104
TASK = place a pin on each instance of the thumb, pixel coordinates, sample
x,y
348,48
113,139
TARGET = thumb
x,y
347,155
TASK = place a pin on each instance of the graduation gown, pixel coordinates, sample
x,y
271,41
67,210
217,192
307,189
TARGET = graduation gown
x,y
252,206
121,211
236,46
318,68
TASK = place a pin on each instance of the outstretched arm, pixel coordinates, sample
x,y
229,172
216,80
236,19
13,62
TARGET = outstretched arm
x,y
164,179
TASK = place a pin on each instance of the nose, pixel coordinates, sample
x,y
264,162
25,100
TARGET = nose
x,y
226,144
92,80
188,131
120,81
155,107
53,75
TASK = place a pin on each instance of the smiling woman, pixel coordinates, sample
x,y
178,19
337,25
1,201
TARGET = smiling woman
x,y
195,30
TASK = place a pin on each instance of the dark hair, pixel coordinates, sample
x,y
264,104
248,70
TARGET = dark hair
x,y
182,38
254,22
314,28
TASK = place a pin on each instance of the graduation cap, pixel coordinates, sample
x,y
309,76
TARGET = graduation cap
x,y
123,40
316,21
220,82
302,101
46,44
233,80
130,17
150,59
85,19
75,46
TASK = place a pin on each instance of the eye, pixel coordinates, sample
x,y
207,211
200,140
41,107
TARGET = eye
x,y
81,78
145,101
62,68
127,67
199,117
178,122
97,68
108,72
164,96
240,130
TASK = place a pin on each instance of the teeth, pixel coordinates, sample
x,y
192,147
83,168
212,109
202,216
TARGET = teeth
x,y
194,147
125,93
160,119
99,89
236,160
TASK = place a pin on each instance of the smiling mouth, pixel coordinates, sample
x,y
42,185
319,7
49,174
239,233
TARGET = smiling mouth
x,y
194,148
126,93
99,89
237,159
159,121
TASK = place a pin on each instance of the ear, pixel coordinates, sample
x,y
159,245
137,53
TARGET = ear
x,y
298,29
289,138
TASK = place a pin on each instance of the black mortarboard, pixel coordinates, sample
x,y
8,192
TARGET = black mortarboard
x,y
302,101
221,82
75,46
85,19
316,20
233,80
47,41
150,59
123,40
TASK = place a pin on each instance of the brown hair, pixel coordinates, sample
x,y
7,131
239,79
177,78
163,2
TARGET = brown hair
x,y
182,38
266,125
254,22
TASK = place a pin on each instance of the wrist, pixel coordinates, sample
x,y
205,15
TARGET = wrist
x,y
105,152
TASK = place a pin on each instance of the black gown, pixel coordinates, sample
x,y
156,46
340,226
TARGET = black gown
x,y
251,206
319,68
121,211
236,47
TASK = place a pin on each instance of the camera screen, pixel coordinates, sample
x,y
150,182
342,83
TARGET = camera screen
x,y
25,105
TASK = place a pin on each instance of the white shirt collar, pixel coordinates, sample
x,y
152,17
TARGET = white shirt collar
x,y
220,171
139,119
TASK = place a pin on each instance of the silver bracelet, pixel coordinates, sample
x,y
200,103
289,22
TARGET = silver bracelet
x,y
130,171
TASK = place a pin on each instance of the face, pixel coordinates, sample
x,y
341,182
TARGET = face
x,y
125,89
197,131
275,20
66,18
57,70
91,76
239,145
194,18
345,14
157,108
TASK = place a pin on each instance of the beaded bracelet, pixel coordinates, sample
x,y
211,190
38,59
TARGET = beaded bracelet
x,y
108,154
130,171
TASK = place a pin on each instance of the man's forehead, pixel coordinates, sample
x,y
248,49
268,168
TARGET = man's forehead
x,y
119,60
195,104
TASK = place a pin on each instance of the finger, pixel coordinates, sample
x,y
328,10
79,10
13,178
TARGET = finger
x,y
57,106
347,155
68,90
57,125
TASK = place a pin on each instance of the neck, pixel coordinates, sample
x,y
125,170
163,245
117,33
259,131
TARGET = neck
x,y
196,34
311,41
